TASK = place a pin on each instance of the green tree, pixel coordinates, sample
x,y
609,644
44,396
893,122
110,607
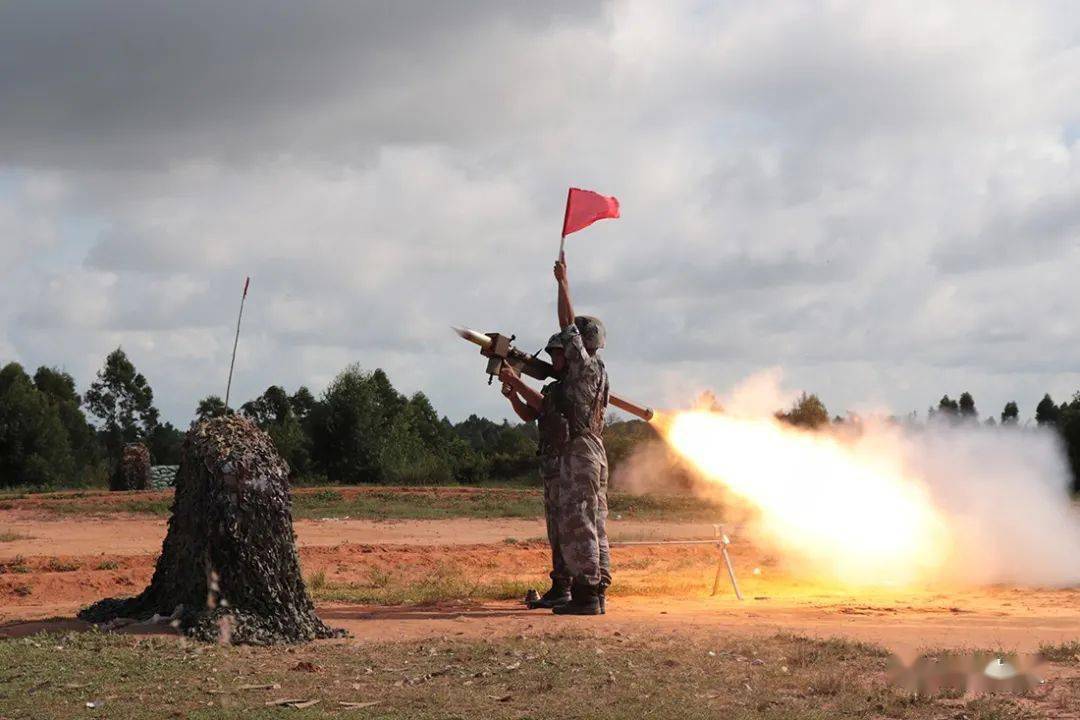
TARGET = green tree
x,y
165,444
57,384
122,399
273,412
211,406
270,407
1046,412
428,450
966,406
34,446
807,411
350,431
363,430
59,388
302,403
499,450
1068,423
948,407
1011,414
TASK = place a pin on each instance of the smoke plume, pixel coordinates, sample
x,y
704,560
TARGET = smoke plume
x,y
874,500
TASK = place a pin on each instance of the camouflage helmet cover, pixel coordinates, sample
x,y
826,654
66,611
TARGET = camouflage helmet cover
x,y
555,341
592,332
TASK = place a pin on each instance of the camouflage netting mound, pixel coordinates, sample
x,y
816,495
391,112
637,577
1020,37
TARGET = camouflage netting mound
x,y
228,569
133,471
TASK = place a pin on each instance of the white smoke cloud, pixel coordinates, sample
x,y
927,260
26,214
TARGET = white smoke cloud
x,y
1005,494
962,504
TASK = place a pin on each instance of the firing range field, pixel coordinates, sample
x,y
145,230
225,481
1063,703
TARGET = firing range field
x,y
426,581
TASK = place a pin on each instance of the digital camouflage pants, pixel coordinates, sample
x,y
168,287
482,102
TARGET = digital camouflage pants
x,y
582,526
559,575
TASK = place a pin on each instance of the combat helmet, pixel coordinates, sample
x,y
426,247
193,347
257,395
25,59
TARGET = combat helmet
x,y
592,332
555,341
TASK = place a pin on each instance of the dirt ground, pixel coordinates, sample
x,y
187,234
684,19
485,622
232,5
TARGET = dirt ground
x,y
54,566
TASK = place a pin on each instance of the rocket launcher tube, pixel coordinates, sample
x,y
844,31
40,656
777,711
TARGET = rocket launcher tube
x,y
497,348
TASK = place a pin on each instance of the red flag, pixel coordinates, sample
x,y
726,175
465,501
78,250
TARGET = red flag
x,y
584,207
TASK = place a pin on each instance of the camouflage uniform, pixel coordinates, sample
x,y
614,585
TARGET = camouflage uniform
x,y
582,493
553,434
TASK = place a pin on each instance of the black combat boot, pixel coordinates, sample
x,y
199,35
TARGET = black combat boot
x,y
557,596
584,600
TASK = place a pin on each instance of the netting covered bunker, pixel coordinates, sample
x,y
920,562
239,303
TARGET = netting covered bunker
x,y
228,570
133,470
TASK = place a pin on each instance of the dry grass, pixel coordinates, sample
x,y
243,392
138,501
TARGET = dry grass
x,y
415,503
1065,653
15,565
684,571
606,678
58,565
446,582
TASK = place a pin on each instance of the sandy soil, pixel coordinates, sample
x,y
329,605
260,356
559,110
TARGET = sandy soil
x,y
904,630
69,563
139,534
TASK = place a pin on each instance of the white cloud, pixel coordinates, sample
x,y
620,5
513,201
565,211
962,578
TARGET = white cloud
x,y
883,202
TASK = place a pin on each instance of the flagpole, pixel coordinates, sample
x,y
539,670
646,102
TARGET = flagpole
x,y
566,216
236,341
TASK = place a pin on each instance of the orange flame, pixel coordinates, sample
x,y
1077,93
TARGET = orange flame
x,y
840,510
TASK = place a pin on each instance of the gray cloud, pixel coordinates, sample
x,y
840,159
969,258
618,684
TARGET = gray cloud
x,y
127,83
882,202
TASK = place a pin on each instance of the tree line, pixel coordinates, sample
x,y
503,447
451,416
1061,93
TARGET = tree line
x,y
809,411
360,429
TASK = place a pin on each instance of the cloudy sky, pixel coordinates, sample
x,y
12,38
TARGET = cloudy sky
x,y
883,199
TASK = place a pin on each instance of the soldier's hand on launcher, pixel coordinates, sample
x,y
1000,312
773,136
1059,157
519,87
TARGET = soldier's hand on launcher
x,y
507,390
507,374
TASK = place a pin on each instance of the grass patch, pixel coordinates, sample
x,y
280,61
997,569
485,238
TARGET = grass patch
x,y
107,565
7,536
16,565
393,504
69,506
423,503
317,581
664,506
437,504
1067,653
446,582
21,590
57,565
688,575
602,678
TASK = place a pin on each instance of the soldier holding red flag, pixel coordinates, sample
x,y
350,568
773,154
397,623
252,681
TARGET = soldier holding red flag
x,y
570,415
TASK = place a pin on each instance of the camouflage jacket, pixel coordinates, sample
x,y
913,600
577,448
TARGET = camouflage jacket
x,y
552,429
585,389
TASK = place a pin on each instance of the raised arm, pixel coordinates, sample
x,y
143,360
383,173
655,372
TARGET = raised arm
x,y
566,308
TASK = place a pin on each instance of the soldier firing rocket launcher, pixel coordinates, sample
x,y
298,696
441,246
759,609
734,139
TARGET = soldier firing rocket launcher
x,y
498,350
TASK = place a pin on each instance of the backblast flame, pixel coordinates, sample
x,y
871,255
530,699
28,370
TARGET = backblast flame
x,y
840,511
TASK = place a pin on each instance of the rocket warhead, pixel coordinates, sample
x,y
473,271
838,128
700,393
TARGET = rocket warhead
x,y
473,336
